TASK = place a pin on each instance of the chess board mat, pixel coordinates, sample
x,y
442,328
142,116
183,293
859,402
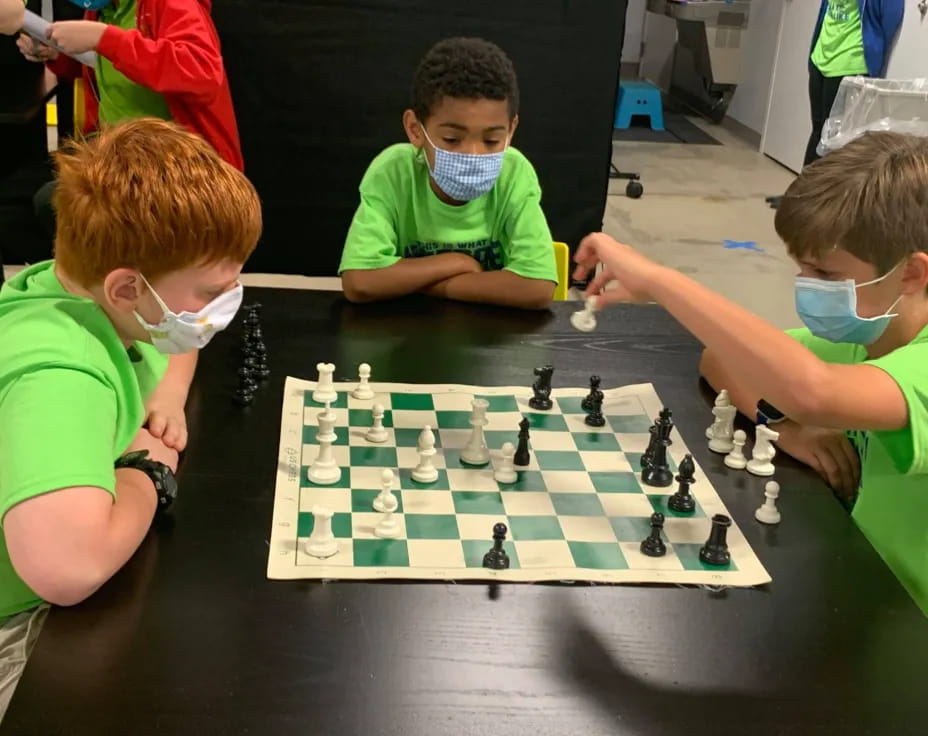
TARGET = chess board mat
x,y
578,512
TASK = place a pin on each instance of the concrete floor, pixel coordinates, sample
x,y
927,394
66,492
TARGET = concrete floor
x,y
696,198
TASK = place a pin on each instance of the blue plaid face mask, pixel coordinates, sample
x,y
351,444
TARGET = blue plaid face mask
x,y
465,176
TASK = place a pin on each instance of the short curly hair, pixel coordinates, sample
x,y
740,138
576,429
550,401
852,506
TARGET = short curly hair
x,y
466,68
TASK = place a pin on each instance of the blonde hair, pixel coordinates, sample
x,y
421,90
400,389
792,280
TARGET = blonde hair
x,y
146,194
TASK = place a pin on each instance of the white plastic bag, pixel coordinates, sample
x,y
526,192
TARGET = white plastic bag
x,y
863,104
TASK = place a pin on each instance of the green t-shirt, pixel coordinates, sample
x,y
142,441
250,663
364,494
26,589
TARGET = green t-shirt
x,y
120,97
839,50
401,217
71,399
892,504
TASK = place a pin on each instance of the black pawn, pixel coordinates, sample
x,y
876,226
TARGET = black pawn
x,y
681,501
654,546
595,418
245,379
715,552
542,388
261,369
657,473
496,558
522,456
587,403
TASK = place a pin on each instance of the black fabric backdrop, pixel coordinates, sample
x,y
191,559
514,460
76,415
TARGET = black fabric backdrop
x,y
320,87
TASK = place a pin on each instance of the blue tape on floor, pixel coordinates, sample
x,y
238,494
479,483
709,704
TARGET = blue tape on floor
x,y
743,245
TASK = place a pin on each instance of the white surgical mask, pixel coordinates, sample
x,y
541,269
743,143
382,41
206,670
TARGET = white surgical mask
x,y
181,333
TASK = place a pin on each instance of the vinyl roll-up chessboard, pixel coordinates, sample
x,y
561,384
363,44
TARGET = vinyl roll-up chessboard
x,y
578,511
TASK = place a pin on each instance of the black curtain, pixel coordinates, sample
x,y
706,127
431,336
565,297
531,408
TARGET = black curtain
x,y
320,87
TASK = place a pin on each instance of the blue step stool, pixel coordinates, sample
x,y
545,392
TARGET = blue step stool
x,y
639,98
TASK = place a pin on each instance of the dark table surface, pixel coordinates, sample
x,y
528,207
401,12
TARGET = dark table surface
x,y
191,638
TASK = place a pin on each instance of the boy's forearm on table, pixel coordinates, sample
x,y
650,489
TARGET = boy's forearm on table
x,y
130,517
406,276
497,287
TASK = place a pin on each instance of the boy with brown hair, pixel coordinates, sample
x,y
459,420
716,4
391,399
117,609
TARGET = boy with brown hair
x,y
851,389
153,230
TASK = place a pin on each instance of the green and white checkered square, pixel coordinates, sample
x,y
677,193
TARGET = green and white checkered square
x,y
578,511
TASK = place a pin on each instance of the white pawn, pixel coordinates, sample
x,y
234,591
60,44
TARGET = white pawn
x,y
425,471
720,433
321,542
325,387
768,513
388,527
377,433
585,319
385,501
761,462
506,472
736,459
363,390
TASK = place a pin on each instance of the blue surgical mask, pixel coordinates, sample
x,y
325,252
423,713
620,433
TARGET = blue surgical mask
x,y
465,176
91,4
829,310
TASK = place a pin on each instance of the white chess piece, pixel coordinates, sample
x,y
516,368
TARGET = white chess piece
x,y
585,319
722,429
363,390
377,433
321,542
425,471
324,470
761,462
325,387
388,527
768,513
736,459
506,472
385,501
475,452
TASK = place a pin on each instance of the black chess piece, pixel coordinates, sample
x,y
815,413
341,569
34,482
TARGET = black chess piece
x,y
715,551
653,545
657,473
595,418
246,380
542,388
587,403
251,315
261,369
243,396
648,455
496,558
522,456
681,501
665,424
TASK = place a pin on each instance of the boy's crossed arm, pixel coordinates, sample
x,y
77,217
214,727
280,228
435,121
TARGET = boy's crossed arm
x,y
504,287
406,276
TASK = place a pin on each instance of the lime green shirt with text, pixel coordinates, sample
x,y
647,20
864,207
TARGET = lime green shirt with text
x,y
839,50
401,217
892,503
71,400
120,97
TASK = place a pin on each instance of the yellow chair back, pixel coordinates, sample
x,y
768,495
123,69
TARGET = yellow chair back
x,y
562,261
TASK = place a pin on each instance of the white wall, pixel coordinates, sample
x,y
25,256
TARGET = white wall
x,y
759,51
909,58
634,31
